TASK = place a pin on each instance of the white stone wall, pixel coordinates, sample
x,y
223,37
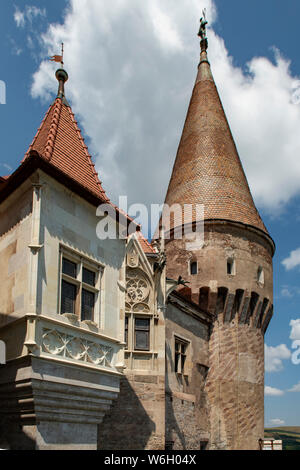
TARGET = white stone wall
x,y
69,221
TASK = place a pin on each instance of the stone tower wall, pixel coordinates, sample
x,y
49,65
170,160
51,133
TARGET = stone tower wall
x,y
242,305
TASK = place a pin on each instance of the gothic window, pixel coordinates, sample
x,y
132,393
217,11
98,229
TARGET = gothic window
x,y
80,286
142,334
180,355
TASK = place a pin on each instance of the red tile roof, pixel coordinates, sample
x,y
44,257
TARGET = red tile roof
x,y
146,246
59,141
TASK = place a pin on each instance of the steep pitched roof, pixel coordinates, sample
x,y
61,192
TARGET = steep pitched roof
x,y
58,148
207,169
59,141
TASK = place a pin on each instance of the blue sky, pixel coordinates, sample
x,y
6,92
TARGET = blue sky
x,y
139,62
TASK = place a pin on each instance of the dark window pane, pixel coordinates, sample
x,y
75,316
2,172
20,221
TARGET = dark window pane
x,y
126,331
142,324
142,328
142,340
88,277
68,297
87,305
194,268
177,356
69,268
203,445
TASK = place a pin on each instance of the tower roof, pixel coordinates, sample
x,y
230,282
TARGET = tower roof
x,y
207,169
58,148
59,141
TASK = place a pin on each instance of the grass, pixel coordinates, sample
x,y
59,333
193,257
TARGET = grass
x,y
290,436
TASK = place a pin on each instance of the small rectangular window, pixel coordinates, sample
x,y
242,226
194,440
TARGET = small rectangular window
x,y
194,268
180,355
87,305
142,333
68,297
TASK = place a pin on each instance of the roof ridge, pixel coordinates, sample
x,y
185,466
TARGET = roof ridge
x,y
53,129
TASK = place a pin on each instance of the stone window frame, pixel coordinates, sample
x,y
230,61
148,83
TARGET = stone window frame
x,y
129,335
81,262
183,343
260,276
231,266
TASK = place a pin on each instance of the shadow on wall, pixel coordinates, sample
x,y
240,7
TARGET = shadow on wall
x,y
127,426
13,437
172,426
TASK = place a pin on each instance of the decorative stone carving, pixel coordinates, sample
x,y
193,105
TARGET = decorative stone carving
x,y
137,291
132,258
79,349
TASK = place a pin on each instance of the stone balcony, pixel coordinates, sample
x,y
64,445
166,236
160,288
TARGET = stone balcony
x,y
60,379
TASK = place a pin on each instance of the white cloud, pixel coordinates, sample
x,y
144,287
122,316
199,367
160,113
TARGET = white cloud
x,y
131,77
293,260
295,388
274,357
277,422
19,18
29,14
273,392
295,330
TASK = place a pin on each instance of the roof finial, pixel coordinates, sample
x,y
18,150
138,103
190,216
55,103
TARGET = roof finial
x,y
202,32
61,73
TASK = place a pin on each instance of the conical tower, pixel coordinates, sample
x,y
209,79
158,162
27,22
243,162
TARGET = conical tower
x,y
231,274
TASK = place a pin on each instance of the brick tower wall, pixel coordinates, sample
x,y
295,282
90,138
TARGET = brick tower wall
x,y
242,305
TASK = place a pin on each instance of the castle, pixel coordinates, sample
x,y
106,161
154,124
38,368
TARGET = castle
x,y
119,343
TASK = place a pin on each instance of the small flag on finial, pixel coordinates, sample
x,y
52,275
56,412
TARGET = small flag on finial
x,y
59,58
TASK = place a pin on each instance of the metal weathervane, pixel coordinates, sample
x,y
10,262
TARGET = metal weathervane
x,y
59,58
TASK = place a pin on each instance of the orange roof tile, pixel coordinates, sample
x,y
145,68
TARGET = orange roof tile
x,y
146,246
59,141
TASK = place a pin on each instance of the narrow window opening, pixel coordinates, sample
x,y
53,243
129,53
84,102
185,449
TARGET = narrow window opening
x,y
231,267
203,445
260,275
180,356
194,268
126,332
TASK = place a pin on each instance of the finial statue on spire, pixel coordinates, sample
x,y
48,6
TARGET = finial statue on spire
x,y
203,23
